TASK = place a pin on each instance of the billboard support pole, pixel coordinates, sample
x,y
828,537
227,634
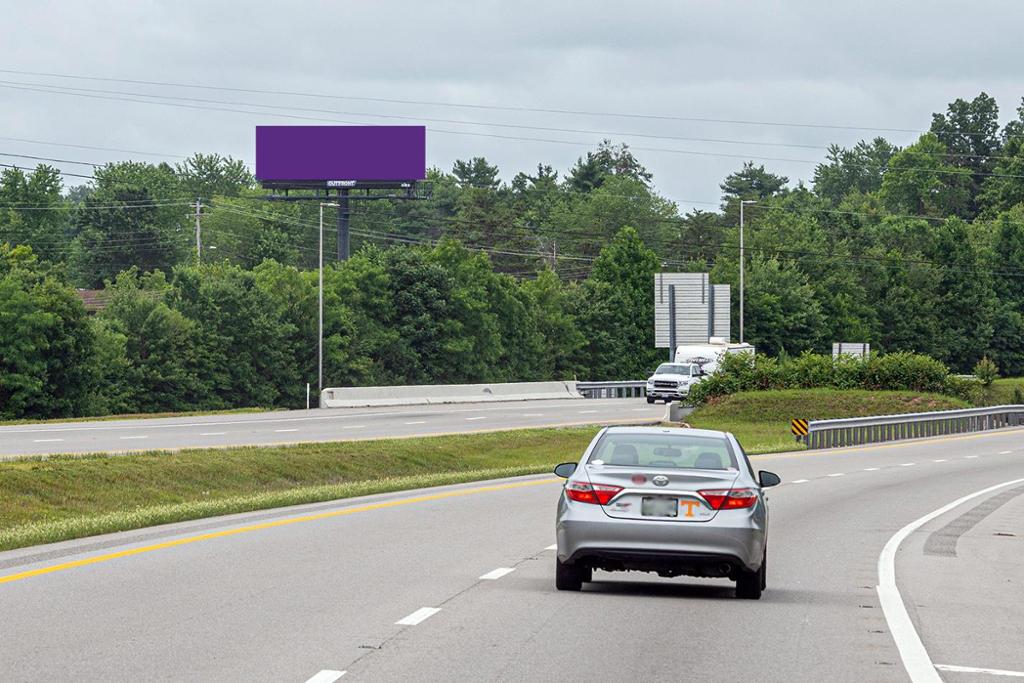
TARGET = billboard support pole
x,y
343,238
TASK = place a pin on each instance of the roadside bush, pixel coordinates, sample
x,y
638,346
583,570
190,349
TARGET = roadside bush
x,y
986,371
892,372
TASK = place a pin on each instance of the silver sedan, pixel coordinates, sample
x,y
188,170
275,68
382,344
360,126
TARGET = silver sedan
x,y
672,501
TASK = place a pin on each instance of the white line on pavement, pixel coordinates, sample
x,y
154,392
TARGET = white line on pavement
x,y
939,460
800,481
978,670
970,457
912,651
533,414
478,417
837,474
417,617
417,422
1005,452
907,464
354,427
496,574
285,430
134,437
326,676
584,412
552,547
872,469
45,440
213,434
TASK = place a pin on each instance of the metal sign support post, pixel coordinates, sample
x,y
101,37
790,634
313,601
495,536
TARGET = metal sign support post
x,y
671,323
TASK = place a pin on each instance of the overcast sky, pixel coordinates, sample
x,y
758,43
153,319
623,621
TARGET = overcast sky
x,y
872,65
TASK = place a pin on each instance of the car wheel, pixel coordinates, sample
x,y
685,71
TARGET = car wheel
x,y
650,399
568,577
750,585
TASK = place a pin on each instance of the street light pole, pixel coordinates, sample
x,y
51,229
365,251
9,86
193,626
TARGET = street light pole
x,y
742,203
320,309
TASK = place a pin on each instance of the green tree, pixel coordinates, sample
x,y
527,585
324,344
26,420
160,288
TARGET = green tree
x,y
32,211
210,175
609,160
859,169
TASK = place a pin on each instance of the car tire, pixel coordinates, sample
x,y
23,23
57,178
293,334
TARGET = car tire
x,y
650,399
750,585
568,577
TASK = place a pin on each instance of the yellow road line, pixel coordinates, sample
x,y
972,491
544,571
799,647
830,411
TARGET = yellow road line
x,y
269,525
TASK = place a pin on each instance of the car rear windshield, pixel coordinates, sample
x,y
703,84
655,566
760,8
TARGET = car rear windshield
x,y
682,451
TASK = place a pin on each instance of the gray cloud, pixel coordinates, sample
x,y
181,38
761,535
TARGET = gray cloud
x,y
868,64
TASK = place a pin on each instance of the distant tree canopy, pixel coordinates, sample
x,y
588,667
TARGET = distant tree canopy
x,y
547,275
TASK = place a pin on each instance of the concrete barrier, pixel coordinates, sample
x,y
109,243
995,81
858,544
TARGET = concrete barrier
x,y
365,397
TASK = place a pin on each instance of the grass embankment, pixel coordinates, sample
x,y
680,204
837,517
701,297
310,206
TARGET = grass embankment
x,y
1004,391
65,497
760,419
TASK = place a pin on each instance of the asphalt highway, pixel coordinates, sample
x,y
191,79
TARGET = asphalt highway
x,y
297,426
457,583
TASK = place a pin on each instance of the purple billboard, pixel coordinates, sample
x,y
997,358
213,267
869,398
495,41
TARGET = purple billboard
x,y
326,153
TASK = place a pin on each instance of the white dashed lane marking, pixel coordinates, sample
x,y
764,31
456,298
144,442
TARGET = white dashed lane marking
x,y
478,417
417,422
419,616
907,464
285,430
586,412
326,676
134,437
552,547
213,434
46,440
800,481
872,469
939,460
970,457
496,574
837,474
533,414
1005,452
353,426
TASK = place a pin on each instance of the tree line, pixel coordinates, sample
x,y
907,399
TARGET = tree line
x,y
546,275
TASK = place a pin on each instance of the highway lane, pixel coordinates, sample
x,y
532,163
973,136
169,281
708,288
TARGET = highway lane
x,y
323,587
340,424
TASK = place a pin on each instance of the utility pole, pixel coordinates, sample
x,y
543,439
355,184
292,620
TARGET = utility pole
x,y
199,243
743,202
343,240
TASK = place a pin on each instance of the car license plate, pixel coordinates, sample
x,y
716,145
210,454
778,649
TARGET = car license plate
x,y
652,506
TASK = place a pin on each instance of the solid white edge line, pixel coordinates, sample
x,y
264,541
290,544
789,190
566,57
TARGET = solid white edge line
x,y
952,668
912,651
552,547
419,616
326,676
496,574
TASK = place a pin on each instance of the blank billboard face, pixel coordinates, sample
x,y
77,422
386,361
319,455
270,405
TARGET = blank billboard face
x,y
325,153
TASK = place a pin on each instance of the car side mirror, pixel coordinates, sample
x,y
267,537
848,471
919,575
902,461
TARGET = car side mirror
x,y
768,479
565,470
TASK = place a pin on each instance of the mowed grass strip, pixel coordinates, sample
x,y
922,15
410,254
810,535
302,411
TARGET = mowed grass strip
x,y
760,419
58,498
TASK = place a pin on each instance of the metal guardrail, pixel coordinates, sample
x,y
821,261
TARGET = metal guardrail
x,y
854,431
625,389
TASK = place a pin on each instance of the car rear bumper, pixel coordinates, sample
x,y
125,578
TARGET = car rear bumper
x,y
587,535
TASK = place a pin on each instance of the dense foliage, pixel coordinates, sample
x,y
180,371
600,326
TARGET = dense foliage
x,y
547,275
899,371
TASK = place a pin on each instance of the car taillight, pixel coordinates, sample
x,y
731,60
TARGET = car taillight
x,y
730,499
585,492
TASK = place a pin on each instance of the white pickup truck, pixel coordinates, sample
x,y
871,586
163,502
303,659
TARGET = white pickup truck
x,y
672,381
